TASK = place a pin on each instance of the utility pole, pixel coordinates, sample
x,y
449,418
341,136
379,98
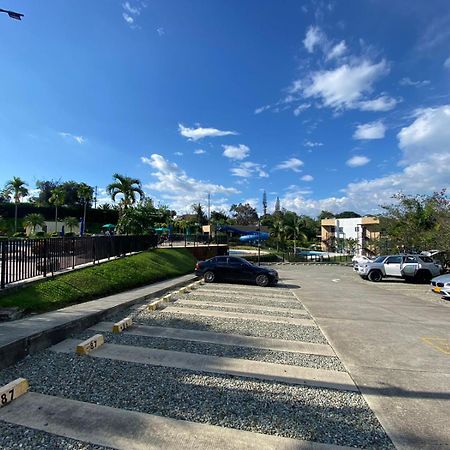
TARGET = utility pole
x,y
259,241
209,207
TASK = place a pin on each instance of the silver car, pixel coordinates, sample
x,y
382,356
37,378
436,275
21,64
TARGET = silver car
x,y
441,285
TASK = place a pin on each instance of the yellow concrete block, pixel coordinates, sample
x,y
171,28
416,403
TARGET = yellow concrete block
x,y
154,305
123,324
90,344
167,298
12,390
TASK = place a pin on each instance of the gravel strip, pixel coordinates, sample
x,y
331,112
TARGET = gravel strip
x,y
294,304
235,326
229,351
244,294
243,309
19,437
314,414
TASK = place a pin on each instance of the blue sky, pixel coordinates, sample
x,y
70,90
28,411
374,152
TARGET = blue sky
x,y
328,105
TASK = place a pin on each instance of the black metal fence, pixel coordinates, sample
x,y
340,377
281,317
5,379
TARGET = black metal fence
x,y
21,259
189,240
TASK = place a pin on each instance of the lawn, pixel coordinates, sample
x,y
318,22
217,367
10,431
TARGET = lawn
x,y
101,280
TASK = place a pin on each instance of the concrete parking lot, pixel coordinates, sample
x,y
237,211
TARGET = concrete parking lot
x,y
394,339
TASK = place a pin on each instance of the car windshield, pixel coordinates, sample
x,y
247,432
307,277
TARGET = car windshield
x,y
380,259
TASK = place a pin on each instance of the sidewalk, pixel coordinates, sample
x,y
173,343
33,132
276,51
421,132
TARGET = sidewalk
x,y
20,338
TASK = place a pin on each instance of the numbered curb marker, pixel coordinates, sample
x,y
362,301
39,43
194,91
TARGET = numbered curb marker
x,y
90,344
123,324
167,298
12,390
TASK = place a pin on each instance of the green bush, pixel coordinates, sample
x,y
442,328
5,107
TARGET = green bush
x,y
19,234
104,279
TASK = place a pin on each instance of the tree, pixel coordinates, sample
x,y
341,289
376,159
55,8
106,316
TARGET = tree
x,y
264,203
244,214
325,215
17,188
57,199
127,187
277,205
71,223
85,193
219,217
33,220
297,229
45,191
200,214
347,215
139,219
415,223
279,232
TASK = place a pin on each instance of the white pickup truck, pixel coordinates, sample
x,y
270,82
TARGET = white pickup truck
x,y
409,267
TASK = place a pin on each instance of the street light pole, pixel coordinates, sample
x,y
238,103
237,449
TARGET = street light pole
x,y
12,14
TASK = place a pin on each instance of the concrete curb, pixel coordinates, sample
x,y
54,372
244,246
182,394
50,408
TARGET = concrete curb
x,y
30,335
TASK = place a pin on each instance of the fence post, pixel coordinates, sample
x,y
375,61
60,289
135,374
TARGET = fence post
x,y
73,252
4,262
93,250
45,257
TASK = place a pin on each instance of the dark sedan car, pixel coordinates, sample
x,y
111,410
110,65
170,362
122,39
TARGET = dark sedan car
x,y
231,268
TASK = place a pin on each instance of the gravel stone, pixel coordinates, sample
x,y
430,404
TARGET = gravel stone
x,y
294,304
18,437
314,414
228,351
234,326
243,309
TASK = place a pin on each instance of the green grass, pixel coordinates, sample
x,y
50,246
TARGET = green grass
x,y
98,281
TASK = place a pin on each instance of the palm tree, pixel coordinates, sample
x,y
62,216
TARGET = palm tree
x,y
17,188
71,222
57,199
33,220
85,193
297,231
127,187
279,230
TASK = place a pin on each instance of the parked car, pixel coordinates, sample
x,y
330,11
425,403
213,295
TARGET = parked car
x,y
359,260
441,285
232,268
409,267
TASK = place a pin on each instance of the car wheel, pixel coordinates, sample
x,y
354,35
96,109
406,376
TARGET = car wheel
x,y
423,276
209,276
375,276
262,280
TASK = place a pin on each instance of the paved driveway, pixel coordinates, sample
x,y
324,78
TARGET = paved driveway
x,y
394,338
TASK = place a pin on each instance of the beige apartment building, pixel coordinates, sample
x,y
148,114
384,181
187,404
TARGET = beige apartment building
x,y
351,235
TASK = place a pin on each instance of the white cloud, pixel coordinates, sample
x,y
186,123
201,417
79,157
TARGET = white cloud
x,y
345,86
429,133
382,103
238,152
79,139
160,31
425,144
176,187
406,81
248,169
199,151
131,9
178,153
314,37
307,178
261,109
372,130
300,108
290,164
357,161
337,51
194,134
447,63
128,19
312,144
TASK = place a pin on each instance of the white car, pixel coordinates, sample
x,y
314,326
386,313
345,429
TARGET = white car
x,y
360,260
441,285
